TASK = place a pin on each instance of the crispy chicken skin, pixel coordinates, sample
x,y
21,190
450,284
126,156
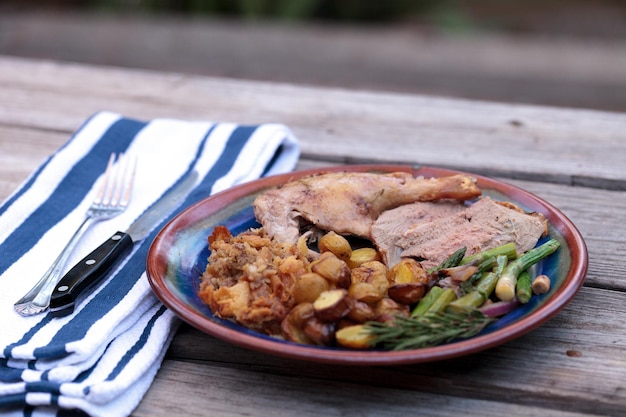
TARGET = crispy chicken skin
x,y
349,203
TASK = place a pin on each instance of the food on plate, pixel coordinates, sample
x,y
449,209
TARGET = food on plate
x,y
455,312
483,225
251,278
541,284
391,224
349,202
505,290
355,337
387,260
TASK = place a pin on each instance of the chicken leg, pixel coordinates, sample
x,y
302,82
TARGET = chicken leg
x,y
349,203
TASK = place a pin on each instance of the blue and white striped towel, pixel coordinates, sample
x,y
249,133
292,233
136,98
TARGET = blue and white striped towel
x,y
102,358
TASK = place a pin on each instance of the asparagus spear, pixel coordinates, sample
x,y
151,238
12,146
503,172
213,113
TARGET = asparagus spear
x,y
445,297
451,261
426,301
507,249
478,295
484,266
505,289
523,289
501,263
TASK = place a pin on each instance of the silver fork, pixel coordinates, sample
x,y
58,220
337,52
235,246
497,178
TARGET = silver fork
x,y
112,199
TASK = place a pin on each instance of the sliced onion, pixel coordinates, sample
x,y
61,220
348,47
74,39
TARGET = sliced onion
x,y
499,308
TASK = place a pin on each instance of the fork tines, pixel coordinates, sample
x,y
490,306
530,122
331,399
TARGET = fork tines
x,y
115,188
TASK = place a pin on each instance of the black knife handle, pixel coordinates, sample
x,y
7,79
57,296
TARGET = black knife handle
x,y
87,273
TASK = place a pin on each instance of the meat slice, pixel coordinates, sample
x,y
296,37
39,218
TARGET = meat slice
x,y
483,225
350,202
392,224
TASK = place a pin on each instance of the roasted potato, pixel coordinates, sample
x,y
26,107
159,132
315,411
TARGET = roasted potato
x,y
337,244
309,286
361,312
292,326
361,255
386,310
332,305
409,281
409,293
320,332
354,337
365,292
374,273
406,271
333,269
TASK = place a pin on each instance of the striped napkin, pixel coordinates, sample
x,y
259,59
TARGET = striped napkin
x,y
102,358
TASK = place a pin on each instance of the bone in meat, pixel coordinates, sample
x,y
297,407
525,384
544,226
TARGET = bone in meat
x,y
349,203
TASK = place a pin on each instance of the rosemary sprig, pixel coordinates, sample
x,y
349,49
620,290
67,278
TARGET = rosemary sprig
x,y
428,330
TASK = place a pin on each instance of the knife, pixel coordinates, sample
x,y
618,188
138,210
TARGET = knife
x,y
90,271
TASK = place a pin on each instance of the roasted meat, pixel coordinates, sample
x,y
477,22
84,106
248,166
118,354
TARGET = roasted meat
x,y
392,224
483,225
349,203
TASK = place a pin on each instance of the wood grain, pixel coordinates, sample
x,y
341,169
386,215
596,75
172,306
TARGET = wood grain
x,y
223,390
538,369
514,141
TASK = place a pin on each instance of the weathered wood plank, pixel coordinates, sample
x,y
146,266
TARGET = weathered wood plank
x,y
21,151
599,223
191,389
576,146
539,369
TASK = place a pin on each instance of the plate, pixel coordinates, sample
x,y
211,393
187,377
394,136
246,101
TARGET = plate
x,y
178,257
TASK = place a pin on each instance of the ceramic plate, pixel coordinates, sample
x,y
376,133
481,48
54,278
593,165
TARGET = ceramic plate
x,y
178,257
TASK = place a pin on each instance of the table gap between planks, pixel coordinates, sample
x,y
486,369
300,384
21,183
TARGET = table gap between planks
x,y
571,366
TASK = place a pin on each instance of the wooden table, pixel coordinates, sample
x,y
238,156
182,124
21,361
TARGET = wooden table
x,y
573,365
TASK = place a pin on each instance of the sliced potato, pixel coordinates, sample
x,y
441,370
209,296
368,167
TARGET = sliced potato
x,y
406,271
409,281
354,337
332,305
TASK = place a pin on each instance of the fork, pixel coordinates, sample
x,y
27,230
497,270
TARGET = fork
x,y
111,200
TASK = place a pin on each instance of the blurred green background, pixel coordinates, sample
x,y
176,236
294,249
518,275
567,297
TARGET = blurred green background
x,y
569,17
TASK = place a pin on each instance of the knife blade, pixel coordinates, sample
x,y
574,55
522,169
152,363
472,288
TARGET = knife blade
x,y
78,282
